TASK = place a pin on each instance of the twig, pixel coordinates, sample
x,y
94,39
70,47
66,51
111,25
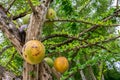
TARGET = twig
x,y
5,48
10,5
86,4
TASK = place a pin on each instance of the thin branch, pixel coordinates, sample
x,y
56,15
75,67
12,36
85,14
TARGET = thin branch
x,y
20,15
83,21
86,4
12,57
105,48
71,74
89,29
87,45
58,35
92,44
5,48
10,5
117,4
62,43
31,5
96,26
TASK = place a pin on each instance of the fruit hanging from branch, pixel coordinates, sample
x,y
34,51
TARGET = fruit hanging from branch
x,y
49,61
51,14
61,64
26,19
33,52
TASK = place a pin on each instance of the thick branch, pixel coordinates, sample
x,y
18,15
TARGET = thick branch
x,y
11,32
34,31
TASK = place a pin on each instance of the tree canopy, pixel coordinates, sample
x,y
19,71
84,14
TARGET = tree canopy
x,y
86,32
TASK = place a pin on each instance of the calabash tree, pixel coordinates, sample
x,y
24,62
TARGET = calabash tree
x,y
80,30
34,31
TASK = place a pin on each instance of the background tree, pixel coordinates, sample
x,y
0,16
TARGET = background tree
x,y
84,31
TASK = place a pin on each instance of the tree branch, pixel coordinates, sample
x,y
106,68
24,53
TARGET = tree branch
x,y
58,35
96,26
83,21
10,5
11,32
32,7
117,4
87,45
92,44
105,48
86,4
89,29
20,15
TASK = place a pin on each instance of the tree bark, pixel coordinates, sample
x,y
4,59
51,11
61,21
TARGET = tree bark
x,y
40,71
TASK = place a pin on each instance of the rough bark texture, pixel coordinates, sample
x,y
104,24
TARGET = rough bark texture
x,y
11,32
40,71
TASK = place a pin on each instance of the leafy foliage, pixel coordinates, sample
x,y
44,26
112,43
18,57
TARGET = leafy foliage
x,y
95,47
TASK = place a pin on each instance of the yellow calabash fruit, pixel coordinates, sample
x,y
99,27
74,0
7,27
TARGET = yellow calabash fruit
x,y
61,64
33,52
51,14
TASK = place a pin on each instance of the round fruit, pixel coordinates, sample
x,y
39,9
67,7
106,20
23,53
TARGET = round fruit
x,y
51,14
26,19
49,61
61,64
33,51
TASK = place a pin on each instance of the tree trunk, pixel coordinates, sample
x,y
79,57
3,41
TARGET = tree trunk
x,y
40,71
